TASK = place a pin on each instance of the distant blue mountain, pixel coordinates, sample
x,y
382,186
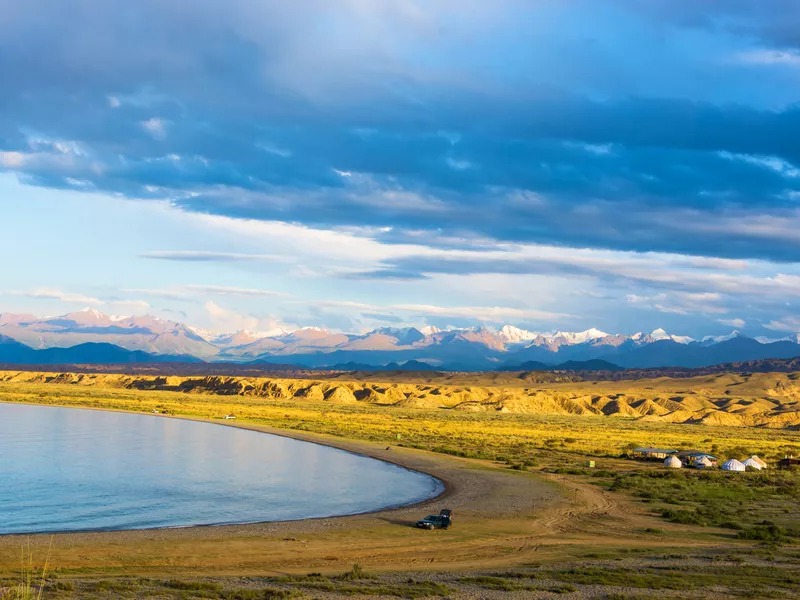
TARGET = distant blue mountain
x,y
15,353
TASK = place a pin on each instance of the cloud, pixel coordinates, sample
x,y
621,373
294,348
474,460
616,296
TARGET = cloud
x,y
207,256
649,151
226,320
386,275
489,314
135,306
492,314
61,296
221,290
192,290
737,323
385,318
790,324
155,127
461,146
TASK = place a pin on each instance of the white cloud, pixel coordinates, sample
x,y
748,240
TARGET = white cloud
x,y
222,290
179,292
481,313
207,256
790,324
458,164
680,303
770,57
773,163
738,323
133,306
51,294
224,319
12,160
155,127
272,149
493,314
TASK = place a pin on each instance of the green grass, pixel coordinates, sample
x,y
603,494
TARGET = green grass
x,y
717,498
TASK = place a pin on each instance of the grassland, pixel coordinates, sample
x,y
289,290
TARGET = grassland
x,y
395,413
616,531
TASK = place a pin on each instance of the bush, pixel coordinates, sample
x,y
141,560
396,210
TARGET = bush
x,y
766,531
353,574
177,584
63,586
684,517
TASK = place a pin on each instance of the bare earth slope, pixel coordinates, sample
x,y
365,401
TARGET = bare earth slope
x,y
759,400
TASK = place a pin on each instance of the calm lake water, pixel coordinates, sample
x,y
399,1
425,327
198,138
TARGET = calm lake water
x,y
64,469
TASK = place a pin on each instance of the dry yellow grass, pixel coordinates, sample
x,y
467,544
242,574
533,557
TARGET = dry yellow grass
x,y
504,422
757,400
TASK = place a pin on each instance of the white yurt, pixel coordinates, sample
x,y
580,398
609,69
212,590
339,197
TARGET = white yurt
x,y
733,465
750,462
673,462
759,461
703,463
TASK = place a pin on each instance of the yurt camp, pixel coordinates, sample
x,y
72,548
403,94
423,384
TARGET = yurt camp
x,y
733,465
673,462
759,461
703,463
752,464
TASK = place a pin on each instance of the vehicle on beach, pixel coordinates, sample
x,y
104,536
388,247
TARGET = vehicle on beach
x,y
441,521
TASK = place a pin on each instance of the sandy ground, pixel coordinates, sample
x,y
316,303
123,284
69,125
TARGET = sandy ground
x,y
502,517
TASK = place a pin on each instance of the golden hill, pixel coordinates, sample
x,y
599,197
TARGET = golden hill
x,y
757,400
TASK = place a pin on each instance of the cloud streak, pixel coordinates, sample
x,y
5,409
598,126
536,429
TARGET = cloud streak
x,y
209,256
192,290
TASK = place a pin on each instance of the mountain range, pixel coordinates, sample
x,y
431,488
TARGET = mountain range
x,y
90,336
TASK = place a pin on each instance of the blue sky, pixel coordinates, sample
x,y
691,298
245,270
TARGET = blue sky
x,y
550,164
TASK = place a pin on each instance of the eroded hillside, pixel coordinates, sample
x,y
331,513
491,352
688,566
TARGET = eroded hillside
x,y
760,400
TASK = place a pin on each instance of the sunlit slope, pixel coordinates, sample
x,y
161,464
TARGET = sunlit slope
x,y
760,400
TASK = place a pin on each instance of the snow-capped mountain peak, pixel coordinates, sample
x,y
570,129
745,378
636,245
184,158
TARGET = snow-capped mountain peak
x,y
579,337
658,335
716,339
515,335
429,330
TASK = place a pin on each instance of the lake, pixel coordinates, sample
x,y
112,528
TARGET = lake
x,y
65,469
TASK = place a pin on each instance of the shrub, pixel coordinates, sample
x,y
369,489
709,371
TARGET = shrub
x,y
766,531
353,574
177,584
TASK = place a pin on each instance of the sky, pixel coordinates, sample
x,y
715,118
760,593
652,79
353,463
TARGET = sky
x,y
259,164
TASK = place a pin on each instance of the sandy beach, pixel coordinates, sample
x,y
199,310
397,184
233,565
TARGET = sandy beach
x,y
478,493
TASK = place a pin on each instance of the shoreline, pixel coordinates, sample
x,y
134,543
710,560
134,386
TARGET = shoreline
x,y
357,447
503,518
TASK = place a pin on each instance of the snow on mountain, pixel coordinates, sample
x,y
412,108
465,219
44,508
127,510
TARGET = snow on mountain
x,y
794,338
469,348
658,335
88,316
716,339
515,335
206,334
579,337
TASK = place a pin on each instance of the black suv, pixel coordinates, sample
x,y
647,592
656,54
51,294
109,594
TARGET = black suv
x,y
441,521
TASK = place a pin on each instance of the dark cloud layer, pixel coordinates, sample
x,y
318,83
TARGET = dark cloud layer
x,y
515,124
